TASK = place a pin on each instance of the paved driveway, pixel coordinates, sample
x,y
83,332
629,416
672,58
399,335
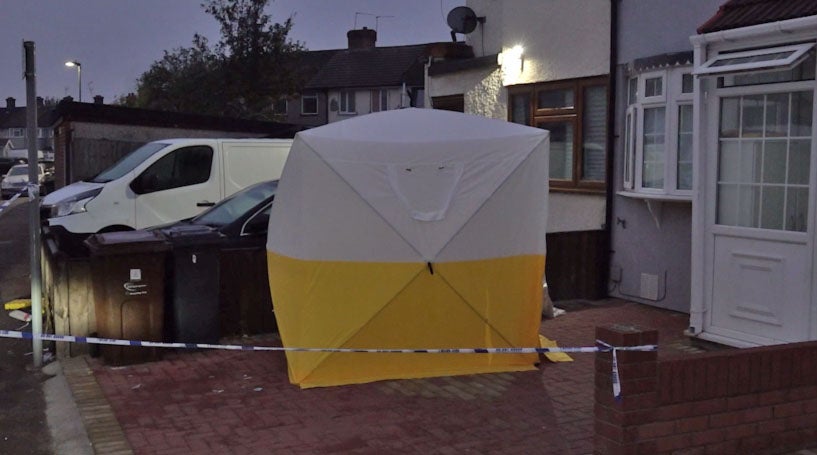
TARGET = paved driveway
x,y
242,402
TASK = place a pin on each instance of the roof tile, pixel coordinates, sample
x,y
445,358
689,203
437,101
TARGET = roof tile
x,y
744,13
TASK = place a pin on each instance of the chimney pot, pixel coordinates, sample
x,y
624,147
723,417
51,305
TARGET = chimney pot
x,y
99,99
11,103
40,101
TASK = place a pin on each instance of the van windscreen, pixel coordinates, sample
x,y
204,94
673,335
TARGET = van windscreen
x,y
129,162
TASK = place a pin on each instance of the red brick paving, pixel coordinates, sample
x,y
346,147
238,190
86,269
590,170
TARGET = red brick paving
x,y
242,402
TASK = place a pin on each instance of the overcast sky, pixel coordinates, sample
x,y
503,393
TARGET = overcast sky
x,y
117,40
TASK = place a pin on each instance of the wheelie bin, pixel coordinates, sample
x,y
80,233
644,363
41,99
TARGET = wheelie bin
x,y
128,274
194,284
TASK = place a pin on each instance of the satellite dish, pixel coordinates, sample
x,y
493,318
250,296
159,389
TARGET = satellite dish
x,y
462,19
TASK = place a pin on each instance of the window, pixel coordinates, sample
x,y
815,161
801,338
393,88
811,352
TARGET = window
x,y
801,72
380,100
770,58
658,133
280,107
454,103
16,132
575,113
309,104
347,102
764,155
183,167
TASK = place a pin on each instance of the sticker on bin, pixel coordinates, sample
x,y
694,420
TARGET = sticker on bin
x,y
132,288
600,347
135,274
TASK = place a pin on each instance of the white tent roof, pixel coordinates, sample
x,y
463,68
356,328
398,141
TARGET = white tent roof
x,y
403,184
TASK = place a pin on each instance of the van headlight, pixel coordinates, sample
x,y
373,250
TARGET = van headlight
x,y
74,204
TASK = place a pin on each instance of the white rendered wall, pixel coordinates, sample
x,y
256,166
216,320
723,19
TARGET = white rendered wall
x,y
562,39
363,102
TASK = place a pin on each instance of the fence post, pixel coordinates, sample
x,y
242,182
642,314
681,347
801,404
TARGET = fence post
x,y
617,420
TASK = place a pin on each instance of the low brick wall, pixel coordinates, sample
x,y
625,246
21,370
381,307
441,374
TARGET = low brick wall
x,y
759,400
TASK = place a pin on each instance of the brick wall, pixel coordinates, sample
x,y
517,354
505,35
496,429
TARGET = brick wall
x,y
759,400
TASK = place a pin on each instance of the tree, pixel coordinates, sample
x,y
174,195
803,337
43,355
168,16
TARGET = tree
x,y
242,76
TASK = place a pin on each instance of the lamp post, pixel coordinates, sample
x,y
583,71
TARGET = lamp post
x,y
74,63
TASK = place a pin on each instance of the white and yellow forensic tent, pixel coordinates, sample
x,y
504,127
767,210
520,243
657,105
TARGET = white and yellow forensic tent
x,y
413,229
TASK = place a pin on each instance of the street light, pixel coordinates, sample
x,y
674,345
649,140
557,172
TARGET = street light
x,y
74,63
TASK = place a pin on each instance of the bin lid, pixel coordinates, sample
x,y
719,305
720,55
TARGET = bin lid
x,y
126,242
191,234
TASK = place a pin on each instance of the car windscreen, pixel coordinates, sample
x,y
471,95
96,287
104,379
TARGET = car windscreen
x,y
21,170
230,209
129,162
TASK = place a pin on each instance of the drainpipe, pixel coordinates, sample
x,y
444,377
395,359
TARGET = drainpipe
x,y
427,86
611,123
697,308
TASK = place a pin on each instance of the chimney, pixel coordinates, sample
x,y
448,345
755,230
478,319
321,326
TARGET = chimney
x,y
98,99
11,103
361,39
40,101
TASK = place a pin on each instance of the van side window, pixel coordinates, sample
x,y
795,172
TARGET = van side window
x,y
183,167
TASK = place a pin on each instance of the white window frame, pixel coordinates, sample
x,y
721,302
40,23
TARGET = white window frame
x,y
344,97
671,99
304,98
630,139
16,132
642,87
763,89
798,51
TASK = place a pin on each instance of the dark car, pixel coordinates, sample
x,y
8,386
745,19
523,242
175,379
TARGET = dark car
x,y
217,274
240,220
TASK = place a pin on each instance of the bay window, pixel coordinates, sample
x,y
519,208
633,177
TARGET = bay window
x,y
658,134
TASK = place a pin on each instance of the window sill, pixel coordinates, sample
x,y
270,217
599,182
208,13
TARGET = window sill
x,y
655,196
576,190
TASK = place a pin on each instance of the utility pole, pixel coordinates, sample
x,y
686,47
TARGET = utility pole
x,y
33,201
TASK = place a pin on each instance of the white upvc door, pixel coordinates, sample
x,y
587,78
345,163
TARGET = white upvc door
x,y
760,214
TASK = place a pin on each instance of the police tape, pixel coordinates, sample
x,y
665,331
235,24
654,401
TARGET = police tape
x,y
30,188
601,347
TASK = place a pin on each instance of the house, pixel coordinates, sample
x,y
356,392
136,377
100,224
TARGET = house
x,y
547,65
13,135
365,78
89,137
307,108
652,176
754,174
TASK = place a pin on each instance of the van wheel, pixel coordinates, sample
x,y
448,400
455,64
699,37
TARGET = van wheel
x,y
115,228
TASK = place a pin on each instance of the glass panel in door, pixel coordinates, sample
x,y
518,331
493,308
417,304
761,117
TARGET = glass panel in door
x,y
763,161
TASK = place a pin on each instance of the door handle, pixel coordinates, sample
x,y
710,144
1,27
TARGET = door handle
x,y
205,204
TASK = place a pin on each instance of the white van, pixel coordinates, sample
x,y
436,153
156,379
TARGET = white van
x,y
164,181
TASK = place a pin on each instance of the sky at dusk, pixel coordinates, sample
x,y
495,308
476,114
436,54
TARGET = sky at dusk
x,y
117,40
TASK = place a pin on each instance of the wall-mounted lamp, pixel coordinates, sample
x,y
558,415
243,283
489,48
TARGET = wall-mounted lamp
x,y
511,58
78,66
511,61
